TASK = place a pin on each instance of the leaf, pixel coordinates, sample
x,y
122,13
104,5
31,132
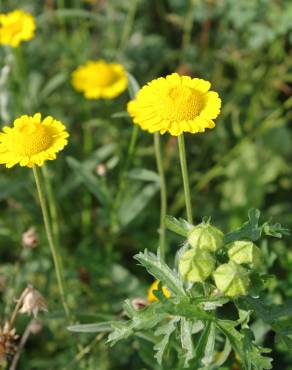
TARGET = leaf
x,y
165,330
92,328
249,230
275,230
143,174
180,227
202,343
210,346
130,208
133,86
142,320
90,181
160,270
186,340
55,82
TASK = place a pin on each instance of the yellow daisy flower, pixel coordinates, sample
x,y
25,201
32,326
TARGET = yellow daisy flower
x,y
31,141
15,27
98,79
154,286
175,104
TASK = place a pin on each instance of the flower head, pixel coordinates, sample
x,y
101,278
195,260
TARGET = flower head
x,y
175,104
154,286
15,27
98,79
31,141
33,302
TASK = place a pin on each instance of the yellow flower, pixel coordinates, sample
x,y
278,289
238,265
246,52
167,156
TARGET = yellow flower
x,y
32,141
98,79
175,104
15,27
154,286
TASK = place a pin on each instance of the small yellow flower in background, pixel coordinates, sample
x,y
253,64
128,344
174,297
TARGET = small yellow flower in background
x,y
98,79
31,141
175,104
15,27
154,286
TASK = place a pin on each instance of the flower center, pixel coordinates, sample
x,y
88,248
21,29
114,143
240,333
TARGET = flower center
x,y
182,103
30,139
103,76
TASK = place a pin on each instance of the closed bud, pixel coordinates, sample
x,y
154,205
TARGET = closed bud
x,y
232,279
196,265
244,251
207,237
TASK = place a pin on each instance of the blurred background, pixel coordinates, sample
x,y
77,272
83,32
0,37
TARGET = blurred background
x,y
244,48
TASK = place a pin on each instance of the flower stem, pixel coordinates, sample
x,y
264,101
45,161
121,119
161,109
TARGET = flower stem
x,y
163,194
185,176
52,204
56,256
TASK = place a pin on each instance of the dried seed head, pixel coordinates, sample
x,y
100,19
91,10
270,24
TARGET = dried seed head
x,y
8,339
30,238
33,302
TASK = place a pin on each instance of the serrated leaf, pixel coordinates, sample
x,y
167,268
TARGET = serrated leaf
x,y
165,331
186,340
160,270
180,227
210,346
249,230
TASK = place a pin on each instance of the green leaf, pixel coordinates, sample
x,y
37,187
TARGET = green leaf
x,y
180,227
160,270
133,86
186,340
250,230
90,181
210,346
92,328
131,207
275,230
143,174
166,331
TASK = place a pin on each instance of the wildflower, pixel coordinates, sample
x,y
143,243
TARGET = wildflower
x,y
232,279
8,347
206,236
196,265
244,251
15,27
175,104
33,302
31,141
98,79
30,238
154,286
139,303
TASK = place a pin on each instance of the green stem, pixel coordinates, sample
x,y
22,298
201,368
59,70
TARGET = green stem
x,y
56,256
87,200
128,25
187,31
163,194
52,204
185,176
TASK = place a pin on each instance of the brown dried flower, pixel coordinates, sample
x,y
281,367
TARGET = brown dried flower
x,y
30,238
8,339
33,302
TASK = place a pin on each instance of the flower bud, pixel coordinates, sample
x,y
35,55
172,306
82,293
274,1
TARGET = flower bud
x,y
232,279
29,238
154,286
244,251
207,237
196,265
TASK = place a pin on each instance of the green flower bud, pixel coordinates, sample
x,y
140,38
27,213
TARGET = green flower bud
x,y
244,251
232,279
206,236
196,265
